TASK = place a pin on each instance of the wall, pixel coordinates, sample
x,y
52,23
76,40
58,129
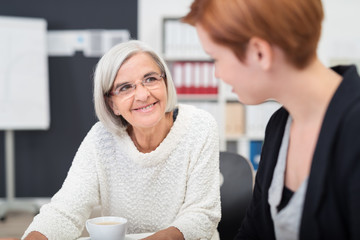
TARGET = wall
x,y
340,38
44,157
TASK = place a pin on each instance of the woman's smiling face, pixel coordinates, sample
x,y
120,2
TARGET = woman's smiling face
x,y
146,107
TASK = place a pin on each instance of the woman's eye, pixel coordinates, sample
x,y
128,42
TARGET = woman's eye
x,y
150,79
125,88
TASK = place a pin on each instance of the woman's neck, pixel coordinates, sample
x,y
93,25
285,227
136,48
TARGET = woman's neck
x,y
147,140
309,92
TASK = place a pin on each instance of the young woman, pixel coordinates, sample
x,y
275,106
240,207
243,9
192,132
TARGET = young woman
x,y
149,160
308,182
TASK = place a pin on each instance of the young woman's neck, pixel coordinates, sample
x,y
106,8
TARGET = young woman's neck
x,y
307,93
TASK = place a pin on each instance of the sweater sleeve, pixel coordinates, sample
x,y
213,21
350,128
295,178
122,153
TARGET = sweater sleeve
x,y
64,217
200,214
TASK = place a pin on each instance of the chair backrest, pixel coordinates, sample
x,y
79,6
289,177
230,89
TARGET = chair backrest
x,y
235,192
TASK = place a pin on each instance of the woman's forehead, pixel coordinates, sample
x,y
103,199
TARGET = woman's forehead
x,y
138,66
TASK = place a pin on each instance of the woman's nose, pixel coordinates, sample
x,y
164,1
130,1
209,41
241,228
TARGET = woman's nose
x,y
141,92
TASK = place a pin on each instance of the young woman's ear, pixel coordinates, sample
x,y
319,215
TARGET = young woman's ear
x,y
260,52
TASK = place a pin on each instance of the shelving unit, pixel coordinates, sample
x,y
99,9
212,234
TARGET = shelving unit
x,y
162,26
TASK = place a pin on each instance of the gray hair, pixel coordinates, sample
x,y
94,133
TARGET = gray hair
x,y
106,71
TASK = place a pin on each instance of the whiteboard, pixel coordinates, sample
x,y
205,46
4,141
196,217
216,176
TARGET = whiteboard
x,y
24,90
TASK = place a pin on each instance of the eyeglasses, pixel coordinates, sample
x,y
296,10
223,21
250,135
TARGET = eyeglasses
x,y
126,90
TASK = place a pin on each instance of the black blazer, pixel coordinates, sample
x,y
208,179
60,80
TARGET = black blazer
x,y
332,202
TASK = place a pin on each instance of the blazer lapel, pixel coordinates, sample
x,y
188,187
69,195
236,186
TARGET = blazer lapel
x,y
342,99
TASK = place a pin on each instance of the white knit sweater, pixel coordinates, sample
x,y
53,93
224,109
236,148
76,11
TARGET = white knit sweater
x,y
177,184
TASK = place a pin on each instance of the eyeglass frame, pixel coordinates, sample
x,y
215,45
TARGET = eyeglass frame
x,y
162,76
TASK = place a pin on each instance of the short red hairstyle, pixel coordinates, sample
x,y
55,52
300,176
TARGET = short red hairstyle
x,y
292,25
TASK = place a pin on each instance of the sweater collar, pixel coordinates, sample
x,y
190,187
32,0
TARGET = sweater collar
x,y
166,147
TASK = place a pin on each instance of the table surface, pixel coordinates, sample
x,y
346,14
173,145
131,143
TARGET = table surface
x,y
127,237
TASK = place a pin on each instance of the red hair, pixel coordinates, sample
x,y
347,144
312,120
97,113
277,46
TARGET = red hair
x,y
292,25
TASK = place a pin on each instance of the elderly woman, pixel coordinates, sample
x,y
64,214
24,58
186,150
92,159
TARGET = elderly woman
x,y
148,159
308,181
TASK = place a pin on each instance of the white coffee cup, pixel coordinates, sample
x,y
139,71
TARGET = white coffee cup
x,y
107,227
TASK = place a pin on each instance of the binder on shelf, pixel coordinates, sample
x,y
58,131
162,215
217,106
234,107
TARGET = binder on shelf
x,y
178,77
257,117
213,86
197,77
255,153
181,40
169,37
194,78
235,119
205,75
188,78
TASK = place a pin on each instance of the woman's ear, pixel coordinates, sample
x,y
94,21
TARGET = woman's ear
x,y
260,52
112,105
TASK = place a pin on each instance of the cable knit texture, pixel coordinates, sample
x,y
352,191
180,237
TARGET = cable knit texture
x,y
177,184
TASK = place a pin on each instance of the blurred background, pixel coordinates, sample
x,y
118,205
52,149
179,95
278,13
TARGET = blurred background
x,y
43,157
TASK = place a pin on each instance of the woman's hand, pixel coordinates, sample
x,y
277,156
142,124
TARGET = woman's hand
x,y
170,233
35,236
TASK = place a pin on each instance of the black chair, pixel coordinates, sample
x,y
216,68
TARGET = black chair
x,y
235,192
